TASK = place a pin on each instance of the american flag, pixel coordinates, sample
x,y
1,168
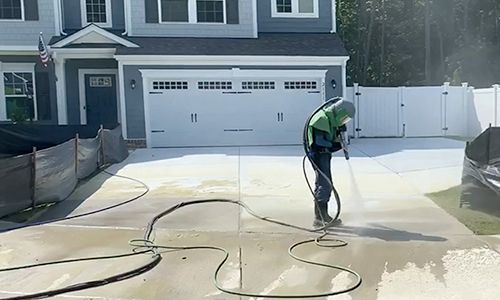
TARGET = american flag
x,y
44,55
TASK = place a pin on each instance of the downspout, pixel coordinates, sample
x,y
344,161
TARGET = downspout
x,y
334,17
126,9
61,14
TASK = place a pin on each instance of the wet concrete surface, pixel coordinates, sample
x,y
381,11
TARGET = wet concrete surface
x,y
402,244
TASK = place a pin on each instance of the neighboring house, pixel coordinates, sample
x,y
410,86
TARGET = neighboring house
x,y
175,72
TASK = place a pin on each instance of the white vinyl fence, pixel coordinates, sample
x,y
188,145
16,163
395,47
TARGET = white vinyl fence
x,y
430,111
483,109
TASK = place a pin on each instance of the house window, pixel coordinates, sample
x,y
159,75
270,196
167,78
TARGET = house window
x,y
170,85
96,11
11,9
19,95
215,85
210,11
295,8
258,85
174,10
192,11
101,81
284,6
301,85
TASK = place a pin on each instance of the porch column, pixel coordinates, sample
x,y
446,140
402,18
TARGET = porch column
x,y
344,79
122,108
62,107
3,103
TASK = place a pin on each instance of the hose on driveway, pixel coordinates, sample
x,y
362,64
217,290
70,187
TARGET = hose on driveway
x,y
147,246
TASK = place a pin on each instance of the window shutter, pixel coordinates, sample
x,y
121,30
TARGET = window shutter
x,y
152,11
31,10
232,12
43,95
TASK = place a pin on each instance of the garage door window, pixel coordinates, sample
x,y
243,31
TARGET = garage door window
x,y
301,85
258,85
170,85
215,85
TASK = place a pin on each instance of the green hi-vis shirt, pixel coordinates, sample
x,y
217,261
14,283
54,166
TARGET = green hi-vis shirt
x,y
323,120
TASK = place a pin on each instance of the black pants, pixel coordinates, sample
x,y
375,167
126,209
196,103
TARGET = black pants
x,y
323,189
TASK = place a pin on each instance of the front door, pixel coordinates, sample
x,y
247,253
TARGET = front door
x,y
100,96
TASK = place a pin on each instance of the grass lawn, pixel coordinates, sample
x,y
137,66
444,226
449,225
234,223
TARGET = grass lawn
x,y
482,215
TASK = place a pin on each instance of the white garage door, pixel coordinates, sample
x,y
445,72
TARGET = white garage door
x,y
229,111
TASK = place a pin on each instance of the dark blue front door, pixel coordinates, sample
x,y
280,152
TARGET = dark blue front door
x,y
100,95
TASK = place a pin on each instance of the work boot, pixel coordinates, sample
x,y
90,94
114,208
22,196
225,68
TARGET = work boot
x,y
321,216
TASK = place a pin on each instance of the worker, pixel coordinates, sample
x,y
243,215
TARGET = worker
x,y
326,132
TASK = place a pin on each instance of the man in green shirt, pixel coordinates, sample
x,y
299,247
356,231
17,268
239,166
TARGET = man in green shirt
x,y
324,133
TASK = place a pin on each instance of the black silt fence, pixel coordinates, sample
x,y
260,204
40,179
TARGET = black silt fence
x,y
51,175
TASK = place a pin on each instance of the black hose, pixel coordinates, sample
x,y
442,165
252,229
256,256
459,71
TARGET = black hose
x,y
147,245
307,151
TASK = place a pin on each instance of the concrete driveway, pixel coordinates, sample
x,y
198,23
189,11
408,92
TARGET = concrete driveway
x,y
402,244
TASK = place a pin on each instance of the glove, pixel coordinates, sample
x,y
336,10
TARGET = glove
x,y
336,147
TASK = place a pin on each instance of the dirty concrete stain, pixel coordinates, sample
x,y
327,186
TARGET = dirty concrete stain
x,y
469,274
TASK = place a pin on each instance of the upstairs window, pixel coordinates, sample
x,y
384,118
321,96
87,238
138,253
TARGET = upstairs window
x,y
97,12
193,11
295,8
11,10
210,11
174,10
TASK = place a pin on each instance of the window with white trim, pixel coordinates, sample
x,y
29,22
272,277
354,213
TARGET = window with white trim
x,y
170,85
97,12
100,81
11,10
19,91
192,11
258,85
295,8
215,85
301,85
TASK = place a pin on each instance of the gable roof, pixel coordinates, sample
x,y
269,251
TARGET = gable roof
x,y
93,35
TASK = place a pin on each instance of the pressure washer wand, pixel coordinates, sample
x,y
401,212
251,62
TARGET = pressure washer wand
x,y
344,141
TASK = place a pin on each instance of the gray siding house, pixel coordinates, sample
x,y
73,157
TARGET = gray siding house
x,y
173,72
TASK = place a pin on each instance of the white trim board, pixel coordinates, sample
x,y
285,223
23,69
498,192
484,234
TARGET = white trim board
x,y
92,28
82,95
233,73
214,60
18,48
83,52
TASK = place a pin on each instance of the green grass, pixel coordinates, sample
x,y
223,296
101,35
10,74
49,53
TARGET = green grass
x,y
482,216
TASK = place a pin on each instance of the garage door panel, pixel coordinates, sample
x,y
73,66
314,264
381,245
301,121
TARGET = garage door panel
x,y
232,112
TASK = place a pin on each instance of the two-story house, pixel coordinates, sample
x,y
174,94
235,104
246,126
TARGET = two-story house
x,y
175,72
